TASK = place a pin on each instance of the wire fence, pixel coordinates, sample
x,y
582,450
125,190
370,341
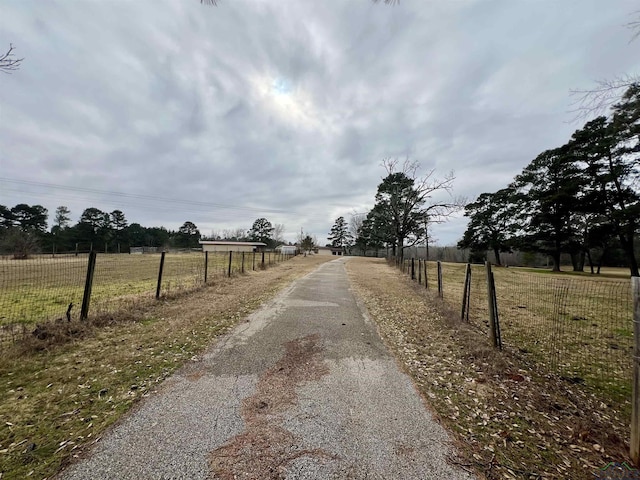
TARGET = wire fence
x,y
580,327
64,287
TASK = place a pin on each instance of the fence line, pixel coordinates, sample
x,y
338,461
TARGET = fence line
x,y
576,326
45,288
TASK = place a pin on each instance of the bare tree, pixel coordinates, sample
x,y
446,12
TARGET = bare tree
x,y
8,62
278,233
595,101
406,202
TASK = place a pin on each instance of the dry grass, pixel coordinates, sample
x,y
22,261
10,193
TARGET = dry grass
x,y
41,288
510,419
57,401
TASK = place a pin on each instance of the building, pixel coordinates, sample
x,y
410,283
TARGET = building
x,y
287,249
224,246
329,250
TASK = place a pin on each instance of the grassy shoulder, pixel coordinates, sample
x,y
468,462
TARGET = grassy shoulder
x,y
56,401
508,420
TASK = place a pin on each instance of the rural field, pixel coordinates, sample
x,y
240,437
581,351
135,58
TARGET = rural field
x,y
41,288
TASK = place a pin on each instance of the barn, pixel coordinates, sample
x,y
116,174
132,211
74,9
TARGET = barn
x,y
224,246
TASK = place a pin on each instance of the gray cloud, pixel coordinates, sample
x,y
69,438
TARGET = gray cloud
x,y
286,109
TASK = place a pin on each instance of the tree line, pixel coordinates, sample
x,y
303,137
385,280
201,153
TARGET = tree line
x,y
24,230
580,199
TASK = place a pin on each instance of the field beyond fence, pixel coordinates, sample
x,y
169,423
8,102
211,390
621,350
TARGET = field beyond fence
x,y
55,288
579,327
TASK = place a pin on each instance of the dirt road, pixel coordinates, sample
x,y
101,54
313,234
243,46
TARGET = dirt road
x,y
304,389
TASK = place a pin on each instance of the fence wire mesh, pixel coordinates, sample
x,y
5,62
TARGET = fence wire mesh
x,y
580,327
51,288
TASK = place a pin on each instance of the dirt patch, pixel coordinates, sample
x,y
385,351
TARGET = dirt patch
x,y
265,449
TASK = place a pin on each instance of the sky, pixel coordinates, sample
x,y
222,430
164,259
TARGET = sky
x,y
173,111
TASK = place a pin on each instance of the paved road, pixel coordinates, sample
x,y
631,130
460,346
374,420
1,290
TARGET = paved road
x,y
305,389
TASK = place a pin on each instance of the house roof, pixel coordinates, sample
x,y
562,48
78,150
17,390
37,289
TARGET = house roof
x,y
222,242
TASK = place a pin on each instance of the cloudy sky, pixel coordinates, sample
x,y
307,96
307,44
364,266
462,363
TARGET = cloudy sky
x,y
172,111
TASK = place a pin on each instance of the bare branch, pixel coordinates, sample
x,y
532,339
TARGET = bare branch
x,y
634,26
388,2
209,2
596,101
8,63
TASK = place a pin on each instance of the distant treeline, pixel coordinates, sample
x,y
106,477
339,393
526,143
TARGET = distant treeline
x,y
23,230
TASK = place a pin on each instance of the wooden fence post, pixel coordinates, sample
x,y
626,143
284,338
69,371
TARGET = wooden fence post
x,y
263,260
253,264
635,407
160,275
466,293
426,281
206,266
88,285
439,279
229,269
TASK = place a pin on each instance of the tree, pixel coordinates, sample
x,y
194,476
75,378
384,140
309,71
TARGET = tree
x,y
490,223
405,203
188,235
94,227
18,242
546,198
261,231
62,218
608,150
118,225
339,235
6,217
8,62
30,218
278,234
307,244
608,91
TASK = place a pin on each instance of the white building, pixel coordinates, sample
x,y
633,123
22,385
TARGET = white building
x,y
224,246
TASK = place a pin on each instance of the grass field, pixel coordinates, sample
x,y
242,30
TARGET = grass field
x,y
42,288
579,326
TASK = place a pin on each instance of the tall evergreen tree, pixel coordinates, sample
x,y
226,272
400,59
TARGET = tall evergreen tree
x,y
339,235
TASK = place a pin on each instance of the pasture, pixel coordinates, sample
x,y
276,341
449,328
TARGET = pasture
x,y
41,288
577,325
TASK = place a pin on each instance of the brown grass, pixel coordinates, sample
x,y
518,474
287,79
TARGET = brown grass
x,y
509,419
57,401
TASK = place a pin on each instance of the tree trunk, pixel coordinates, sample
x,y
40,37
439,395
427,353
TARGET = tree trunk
x,y
590,261
555,256
496,252
627,245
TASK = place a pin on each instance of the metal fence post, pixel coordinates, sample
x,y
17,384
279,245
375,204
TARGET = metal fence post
x,y
419,271
494,329
206,265
253,266
439,279
242,262
88,285
263,260
230,258
635,407
413,268
466,293
160,274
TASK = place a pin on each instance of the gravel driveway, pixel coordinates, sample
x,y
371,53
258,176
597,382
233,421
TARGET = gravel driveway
x,y
304,389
